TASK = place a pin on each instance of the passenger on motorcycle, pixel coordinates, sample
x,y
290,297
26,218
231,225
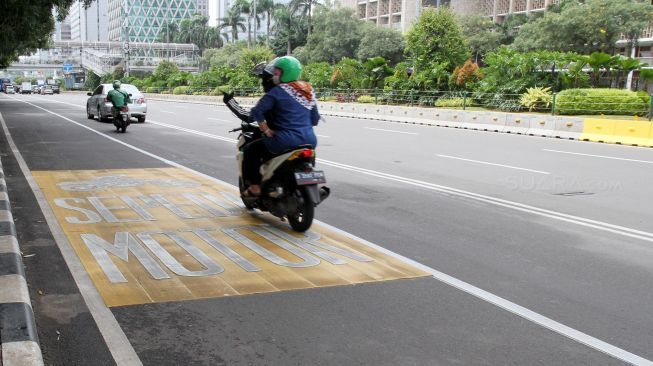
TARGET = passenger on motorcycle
x,y
293,105
118,98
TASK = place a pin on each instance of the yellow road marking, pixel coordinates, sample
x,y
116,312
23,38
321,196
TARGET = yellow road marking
x,y
165,234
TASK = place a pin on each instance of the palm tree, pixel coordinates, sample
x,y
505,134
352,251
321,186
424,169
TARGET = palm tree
x,y
168,32
245,7
286,21
234,21
213,38
267,7
307,10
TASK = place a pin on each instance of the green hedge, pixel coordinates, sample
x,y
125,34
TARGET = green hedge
x,y
601,101
181,90
449,102
152,89
365,99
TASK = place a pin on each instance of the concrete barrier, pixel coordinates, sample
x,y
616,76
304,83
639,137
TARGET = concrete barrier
x,y
518,123
569,128
544,126
486,121
636,133
598,130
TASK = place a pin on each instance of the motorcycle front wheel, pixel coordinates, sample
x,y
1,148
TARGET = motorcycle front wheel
x,y
302,219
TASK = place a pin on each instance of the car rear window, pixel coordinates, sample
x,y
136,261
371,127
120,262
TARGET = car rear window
x,y
130,89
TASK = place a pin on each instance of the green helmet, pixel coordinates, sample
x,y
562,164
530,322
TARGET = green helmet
x,y
116,84
290,68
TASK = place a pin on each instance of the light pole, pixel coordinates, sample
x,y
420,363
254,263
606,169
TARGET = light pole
x,y
126,38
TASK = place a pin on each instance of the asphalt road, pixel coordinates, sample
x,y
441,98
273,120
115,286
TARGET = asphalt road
x,y
558,233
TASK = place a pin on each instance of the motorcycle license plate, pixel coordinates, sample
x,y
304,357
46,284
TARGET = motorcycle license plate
x,y
314,177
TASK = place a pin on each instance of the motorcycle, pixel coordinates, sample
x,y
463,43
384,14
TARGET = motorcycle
x,y
122,120
289,185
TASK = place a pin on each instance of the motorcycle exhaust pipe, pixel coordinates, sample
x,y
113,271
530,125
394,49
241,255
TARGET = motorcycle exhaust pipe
x,y
324,193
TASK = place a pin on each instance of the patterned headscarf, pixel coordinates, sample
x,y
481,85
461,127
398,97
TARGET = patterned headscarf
x,y
301,91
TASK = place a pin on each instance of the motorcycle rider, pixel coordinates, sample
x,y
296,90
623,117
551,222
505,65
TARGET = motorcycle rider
x,y
118,98
292,105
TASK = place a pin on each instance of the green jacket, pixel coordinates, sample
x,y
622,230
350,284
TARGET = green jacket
x,y
118,97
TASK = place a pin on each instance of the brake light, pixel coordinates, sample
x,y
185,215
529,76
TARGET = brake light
x,y
304,154
140,100
307,153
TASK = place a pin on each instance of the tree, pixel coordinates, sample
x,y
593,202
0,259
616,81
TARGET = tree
x,y
165,70
168,33
306,7
482,35
337,34
381,42
436,39
267,7
233,21
289,27
318,74
585,26
28,25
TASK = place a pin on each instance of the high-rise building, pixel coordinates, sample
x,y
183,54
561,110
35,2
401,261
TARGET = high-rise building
x,y
89,24
217,10
62,30
202,7
142,20
400,14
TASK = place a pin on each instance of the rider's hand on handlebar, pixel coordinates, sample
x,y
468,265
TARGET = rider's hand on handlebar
x,y
226,97
269,133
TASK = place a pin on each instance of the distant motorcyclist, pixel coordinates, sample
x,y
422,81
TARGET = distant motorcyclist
x,y
118,98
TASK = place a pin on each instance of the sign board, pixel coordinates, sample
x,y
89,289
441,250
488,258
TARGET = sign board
x,y
67,67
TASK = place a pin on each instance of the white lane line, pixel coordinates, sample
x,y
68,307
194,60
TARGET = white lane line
x,y
122,351
167,112
220,120
493,164
509,306
599,156
395,131
326,137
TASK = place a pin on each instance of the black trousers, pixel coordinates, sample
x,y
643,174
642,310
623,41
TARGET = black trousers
x,y
254,154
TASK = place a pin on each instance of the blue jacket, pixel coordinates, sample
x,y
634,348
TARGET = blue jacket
x,y
293,123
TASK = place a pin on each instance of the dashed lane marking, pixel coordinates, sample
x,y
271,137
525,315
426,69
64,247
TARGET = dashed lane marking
x,y
492,164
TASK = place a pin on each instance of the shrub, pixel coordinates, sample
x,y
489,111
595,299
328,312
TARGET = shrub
x,y
601,101
219,90
449,102
152,89
180,90
536,98
365,99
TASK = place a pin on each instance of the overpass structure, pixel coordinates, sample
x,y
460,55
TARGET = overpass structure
x,y
103,57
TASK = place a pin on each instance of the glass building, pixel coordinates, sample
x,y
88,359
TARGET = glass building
x,y
141,20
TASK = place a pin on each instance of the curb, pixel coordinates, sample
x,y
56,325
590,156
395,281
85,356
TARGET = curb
x,y
19,343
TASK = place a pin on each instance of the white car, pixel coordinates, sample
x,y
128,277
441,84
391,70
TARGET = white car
x,y
99,106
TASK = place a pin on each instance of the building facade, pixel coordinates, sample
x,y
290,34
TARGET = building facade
x,y
141,20
89,24
400,14
217,9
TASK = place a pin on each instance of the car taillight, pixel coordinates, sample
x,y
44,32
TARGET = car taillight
x,y
140,100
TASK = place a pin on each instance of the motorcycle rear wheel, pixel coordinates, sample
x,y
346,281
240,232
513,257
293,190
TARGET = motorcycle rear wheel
x,y
302,219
